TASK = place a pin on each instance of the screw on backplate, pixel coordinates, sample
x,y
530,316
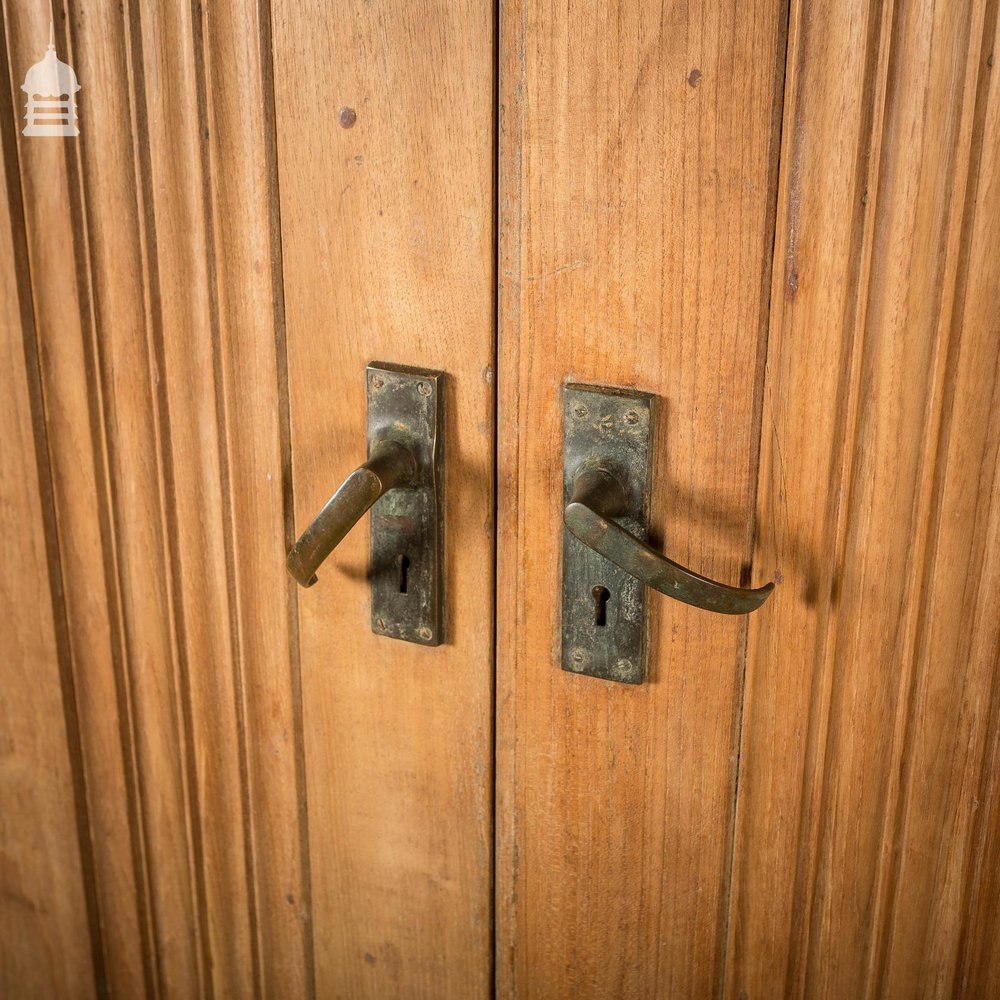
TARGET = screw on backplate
x,y
631,417
423,388
377,381
580,410
380,624
424,632
576,656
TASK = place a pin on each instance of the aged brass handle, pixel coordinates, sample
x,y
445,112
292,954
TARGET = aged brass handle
x,y
598,496
390,466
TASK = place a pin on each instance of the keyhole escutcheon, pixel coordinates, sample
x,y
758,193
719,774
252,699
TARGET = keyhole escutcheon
x,y
601,597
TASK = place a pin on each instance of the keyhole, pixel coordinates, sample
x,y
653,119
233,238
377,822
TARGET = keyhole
x,y
403,564
601,597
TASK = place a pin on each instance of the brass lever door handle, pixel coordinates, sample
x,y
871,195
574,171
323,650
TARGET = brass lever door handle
x,y
402,483
391,465
597,498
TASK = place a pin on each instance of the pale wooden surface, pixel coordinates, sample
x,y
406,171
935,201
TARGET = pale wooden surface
x,y
388,244
45,943
835,90
69,397
161,390
154,246
866,842
868,811
216,785
637,145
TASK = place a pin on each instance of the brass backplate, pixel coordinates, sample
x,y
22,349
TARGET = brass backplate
x,y
603,607
407,532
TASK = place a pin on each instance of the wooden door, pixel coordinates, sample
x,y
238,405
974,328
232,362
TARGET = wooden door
x,y
212,783
782,220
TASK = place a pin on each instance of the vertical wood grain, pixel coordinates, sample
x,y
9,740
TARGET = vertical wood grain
x,y
49,939
252,400
870,677
214,784
163,399
73,415
948,760
387,249
637,145
835,89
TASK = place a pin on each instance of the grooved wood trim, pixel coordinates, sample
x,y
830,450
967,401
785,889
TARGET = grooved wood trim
x,y
862,843
155,264
948,737
72,416
49,941
969,526
637,152
253,419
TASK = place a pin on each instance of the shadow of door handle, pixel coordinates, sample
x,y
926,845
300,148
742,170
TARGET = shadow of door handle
x,y
597,497
391,465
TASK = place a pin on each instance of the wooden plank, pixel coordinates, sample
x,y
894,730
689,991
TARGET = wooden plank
x,y
125,384
387,239
153,244
854,813
834,89
637,152
225,736
941,920
46,910
213,203
252,397
178,267
72,416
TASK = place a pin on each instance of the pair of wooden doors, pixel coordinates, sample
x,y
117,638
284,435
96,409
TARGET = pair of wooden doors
x,y
779,218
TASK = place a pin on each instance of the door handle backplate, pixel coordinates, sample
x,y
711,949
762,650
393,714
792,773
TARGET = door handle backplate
x,y
402,483
606,562
603,606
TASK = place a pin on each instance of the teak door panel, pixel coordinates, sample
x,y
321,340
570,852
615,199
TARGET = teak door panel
x,y
387,255
237,789
160,388
867,797
41,858
781,219
853,720
638,152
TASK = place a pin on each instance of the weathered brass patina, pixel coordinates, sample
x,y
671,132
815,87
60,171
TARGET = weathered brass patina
x,y
402,484
603,606
606,476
